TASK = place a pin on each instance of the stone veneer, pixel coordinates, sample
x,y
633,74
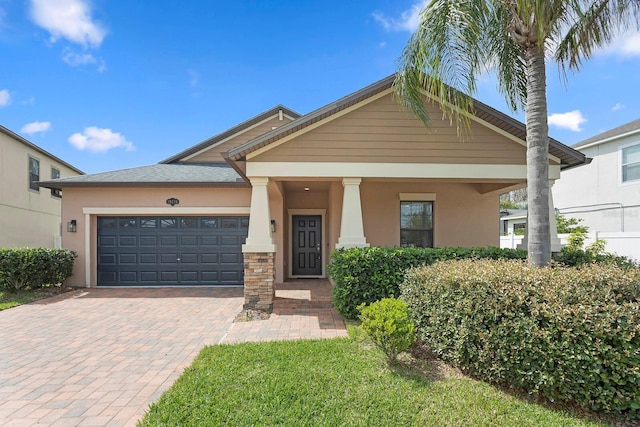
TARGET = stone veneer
x,y
259,277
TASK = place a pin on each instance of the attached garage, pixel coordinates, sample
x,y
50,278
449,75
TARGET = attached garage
x,y
171,250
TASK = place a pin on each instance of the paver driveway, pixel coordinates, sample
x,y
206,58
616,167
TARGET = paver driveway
x,y
100,356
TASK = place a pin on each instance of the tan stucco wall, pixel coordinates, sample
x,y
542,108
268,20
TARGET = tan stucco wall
x,y
381,132
28,218
213,154
462,216
75,199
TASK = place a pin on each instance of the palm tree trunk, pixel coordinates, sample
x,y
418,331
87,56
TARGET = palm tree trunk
x,y
539,238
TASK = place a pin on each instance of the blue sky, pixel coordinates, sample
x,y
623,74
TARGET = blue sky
x,y
111,84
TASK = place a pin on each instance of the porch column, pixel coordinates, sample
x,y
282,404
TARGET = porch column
x,y
351,226
259,251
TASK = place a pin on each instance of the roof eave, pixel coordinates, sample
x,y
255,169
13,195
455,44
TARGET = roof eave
x,y
121,184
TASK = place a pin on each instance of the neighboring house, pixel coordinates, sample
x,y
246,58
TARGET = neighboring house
x,y
606,192
512,220
357,172
30,216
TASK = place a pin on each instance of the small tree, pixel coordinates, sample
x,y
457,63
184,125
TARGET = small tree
x,y
569,225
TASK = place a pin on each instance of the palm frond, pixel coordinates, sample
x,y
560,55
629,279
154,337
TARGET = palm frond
x,y
443,58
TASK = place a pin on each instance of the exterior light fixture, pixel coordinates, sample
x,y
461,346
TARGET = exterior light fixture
x,y
273,225
72,226
306,189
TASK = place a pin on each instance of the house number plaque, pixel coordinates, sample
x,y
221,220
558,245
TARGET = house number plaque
x,y
173,201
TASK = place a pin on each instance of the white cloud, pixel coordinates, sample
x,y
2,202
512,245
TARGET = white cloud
x,y
99,140
626,45
68,19
35,127
76,59
5,97
571,120
617,107
194,78
408,20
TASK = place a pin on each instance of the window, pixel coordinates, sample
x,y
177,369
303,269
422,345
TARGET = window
x,y
631,163
34,173
55,174
416,224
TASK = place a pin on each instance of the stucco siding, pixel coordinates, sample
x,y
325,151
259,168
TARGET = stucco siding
x,y
27,217
213,154
461,217
381,132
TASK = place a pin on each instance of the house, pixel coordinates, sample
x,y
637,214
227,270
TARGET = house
x,y
30,216
269,199
606,192
512,220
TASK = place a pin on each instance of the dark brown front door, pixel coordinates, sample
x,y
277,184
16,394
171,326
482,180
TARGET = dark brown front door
x,y
307,245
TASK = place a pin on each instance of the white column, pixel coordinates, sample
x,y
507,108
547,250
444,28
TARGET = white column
x,y
556,246
259,239
351,227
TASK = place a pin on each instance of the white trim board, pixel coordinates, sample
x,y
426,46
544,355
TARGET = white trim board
x,y
391,170
196,210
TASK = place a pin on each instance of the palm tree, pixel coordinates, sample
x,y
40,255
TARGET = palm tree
x,y
458,40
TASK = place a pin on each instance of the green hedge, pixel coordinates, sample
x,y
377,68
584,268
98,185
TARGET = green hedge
x,y
366,275
29,268
568,334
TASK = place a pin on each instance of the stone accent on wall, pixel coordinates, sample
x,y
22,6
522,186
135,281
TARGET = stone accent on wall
x,y
259,277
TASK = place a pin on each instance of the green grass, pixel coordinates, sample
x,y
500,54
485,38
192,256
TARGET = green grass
x,y
336,382
13,299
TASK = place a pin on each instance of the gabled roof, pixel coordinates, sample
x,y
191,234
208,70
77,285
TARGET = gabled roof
x,y
160,175
567,155
33,146
620,131
231,131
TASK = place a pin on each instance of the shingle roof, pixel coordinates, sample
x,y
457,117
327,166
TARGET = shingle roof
x,y
619,131
567,155
178,175
33,146
231,131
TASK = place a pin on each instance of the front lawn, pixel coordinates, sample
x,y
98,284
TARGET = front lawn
x,y
13,299
336,382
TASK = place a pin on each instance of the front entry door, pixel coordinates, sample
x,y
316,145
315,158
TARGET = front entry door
x,y
307,245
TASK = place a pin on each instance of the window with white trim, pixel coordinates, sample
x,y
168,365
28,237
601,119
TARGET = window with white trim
x,y
631,163
416,224
55,174
34,173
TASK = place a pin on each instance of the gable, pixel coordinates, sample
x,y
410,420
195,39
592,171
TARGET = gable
x,y
381,132
213,153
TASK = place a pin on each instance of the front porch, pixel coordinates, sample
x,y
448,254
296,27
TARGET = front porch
x,y
302,309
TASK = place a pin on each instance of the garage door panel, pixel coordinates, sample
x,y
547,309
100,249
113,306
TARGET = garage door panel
x,y
124,259
188,240
145,250
148,240
149,277
107,241
209,258
170,241
148,258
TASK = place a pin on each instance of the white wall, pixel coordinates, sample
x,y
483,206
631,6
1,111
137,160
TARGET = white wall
x,y
627,244
615,205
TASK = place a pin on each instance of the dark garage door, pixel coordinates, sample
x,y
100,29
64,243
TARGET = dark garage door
x,y
157,250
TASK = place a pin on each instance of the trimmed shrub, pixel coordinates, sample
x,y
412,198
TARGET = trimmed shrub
x,y
575,257
568,334
388,324
366,275
29,268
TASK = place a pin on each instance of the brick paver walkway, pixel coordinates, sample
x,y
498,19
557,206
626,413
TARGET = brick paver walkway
x,y
99,357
